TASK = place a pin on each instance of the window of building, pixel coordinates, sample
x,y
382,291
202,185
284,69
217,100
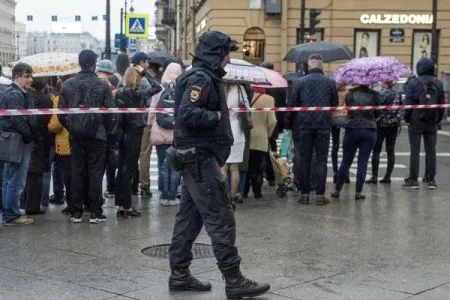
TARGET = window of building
x,y
254,46
255,4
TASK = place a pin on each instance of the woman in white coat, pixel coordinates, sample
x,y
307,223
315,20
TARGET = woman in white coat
x,y
235,95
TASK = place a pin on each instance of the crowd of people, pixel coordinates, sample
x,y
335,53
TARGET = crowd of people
x,y
78,150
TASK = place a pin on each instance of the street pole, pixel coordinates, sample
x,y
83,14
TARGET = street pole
x,y
108,30
122,39
302,29
302,21
434,34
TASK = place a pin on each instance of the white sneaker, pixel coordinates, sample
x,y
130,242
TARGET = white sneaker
x,y
164,202
76,219
97,220
174,202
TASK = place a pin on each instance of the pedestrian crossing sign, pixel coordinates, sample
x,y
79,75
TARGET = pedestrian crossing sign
x,y
136,26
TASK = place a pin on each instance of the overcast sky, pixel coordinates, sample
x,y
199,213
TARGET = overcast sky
x,y
42,10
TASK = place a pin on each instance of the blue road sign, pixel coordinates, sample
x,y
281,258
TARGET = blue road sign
x,y
117,41
136,26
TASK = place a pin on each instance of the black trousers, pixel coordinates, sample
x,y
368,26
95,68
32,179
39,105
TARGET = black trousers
x,y
31,196
313,141
111,167
205,200
336,137
270,174
88,162
388,134
429,138
129,150
257,162
63,170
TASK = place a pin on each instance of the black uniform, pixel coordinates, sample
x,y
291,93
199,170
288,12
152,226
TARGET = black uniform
x,y
205,199
203,140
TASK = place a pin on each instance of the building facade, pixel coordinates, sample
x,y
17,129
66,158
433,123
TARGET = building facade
x,y
267,29
38,42
165,22
7,21
20,38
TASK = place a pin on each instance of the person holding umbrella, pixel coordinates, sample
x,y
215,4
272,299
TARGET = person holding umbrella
x,y
361,135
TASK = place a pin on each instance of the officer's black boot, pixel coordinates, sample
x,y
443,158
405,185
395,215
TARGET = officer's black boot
x,y
237,286
182,280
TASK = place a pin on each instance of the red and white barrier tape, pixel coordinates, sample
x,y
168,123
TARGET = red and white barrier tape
x,y
104,110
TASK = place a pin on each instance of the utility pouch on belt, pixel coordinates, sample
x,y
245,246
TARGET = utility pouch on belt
x,y
177,158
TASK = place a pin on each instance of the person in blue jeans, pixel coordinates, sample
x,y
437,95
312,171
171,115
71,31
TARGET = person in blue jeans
x,y
162,136
15,174
360,134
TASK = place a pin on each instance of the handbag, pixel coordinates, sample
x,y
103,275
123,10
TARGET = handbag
x,y
245,118
11,147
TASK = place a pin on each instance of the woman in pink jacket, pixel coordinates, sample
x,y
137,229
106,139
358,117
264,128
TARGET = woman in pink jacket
x,y
162,135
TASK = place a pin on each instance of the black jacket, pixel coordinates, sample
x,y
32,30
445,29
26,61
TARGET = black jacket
x,y
415,88
134,98
40,156
199,96
362,96
100,96
314,89
17,98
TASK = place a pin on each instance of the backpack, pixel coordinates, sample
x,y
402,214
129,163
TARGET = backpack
x,y
166,100
391,117
83,126
430,95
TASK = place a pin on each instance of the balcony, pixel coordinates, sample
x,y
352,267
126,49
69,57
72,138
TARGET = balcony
x,y
169,17
159,13
162,32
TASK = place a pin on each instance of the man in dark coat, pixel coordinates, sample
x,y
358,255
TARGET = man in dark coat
x,y
418,126
88,135
39,162
15,174
312,130
203,136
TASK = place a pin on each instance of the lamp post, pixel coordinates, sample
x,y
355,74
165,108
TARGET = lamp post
x,y
434,34
35,45
108,30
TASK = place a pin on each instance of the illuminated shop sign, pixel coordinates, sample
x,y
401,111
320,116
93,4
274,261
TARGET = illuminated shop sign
x,y
396,19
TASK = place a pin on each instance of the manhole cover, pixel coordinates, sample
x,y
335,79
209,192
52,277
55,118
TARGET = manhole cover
x,y
199,251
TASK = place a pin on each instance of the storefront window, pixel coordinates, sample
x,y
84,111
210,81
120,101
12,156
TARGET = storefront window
x,y
421,46
255,4
366,43
254,46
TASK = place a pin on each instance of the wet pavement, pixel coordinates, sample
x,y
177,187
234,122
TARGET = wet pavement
x,y
393,245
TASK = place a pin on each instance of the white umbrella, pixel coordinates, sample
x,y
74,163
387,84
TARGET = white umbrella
x,y
241,71
52,63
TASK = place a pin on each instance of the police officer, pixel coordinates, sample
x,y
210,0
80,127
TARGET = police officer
x,y
203,140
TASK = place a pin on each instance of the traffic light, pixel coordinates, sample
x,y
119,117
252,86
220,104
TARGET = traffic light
x,y
313,22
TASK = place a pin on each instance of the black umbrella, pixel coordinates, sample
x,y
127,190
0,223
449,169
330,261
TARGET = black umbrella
x,y
162,59
329,52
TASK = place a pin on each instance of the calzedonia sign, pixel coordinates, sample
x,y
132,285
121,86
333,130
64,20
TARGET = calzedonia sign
x,y
396,19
